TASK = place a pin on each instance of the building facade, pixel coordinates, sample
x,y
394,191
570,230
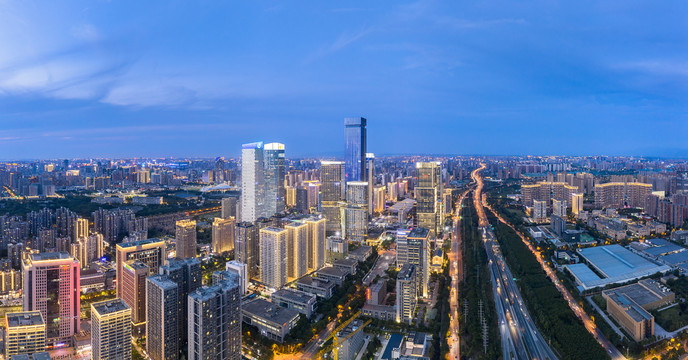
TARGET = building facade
x,y
111,330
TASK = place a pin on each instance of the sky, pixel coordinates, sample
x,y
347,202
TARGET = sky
x,y
199,78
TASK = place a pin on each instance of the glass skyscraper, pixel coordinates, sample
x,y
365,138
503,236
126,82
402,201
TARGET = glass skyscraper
x,y
275,193
355,148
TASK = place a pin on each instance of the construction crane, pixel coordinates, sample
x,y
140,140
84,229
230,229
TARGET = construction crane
x,y
335,339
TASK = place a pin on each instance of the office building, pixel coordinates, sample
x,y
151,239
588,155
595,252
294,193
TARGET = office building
x,y
355,148
322,288
275,193
185,239
376,293
214,322
370,164
162,322
241,270
24,333
638,322
354,212
186,273
273,321
52,286
229,207
252,182
407,297
223,235
134,274
576,203
337,248
316,242
332,192
150,252
246,247
297,249
111,330
429,195
300,301
273,257
413,247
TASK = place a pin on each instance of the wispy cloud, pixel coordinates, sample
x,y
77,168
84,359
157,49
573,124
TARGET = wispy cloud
x,y
345,39
465,24
657,67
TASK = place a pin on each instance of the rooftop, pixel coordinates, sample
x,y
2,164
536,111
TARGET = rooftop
x,y
419,232
269,311
29,318
294,295
633,310
332,271
139,243
110,306
162,281
51,256
311,281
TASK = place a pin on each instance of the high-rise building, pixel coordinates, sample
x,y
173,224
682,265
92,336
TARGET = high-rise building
x,y
223,235
241,270
273,256
111,330
185,239
252,182
337,248
229,207
246,247
316,242
81,228
186,273
354,213
275,193
576,203
297,249
134,274
539,211
332,191
559,208
162,323
407,294
52,286
429,195
150,252
370,160
413,247
355,148
214,323
24,333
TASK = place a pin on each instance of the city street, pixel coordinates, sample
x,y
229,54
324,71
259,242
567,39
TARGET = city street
x,y
455,271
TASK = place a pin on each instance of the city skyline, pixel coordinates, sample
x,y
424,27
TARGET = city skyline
x,y
552,79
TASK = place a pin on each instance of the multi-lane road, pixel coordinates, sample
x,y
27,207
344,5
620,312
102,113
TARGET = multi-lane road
x,y
520,337
455,271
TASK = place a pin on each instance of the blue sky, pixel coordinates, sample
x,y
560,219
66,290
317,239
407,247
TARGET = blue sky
x,y
180,78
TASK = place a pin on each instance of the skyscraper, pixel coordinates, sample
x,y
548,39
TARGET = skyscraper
x,y
407,294
52,286
214,323
229,207
162,325
413,248
111,330
185,239
576,203
150,252
246,247
429,195
355,148
134,274
223,235
316,242
273,256
186,273
333,191
370,160
297,249
275,193
24,333
252,182
354,212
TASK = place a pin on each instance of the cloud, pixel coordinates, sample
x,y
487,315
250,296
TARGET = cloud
x,y
462,24
657,67
345,39
86,32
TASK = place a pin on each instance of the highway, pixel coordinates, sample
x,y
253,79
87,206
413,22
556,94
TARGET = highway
x,y
520,337
455,271
613,352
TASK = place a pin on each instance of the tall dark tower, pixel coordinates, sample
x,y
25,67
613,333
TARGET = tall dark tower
x,y
355,149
